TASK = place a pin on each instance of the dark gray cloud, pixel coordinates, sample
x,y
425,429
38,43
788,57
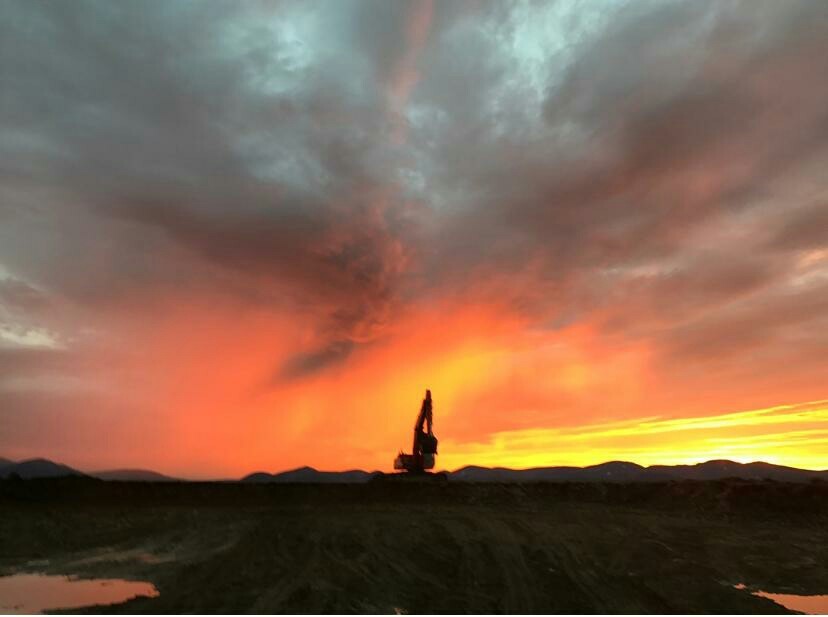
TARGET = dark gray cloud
x,y
667,148
802,229
305,364
670,123
211,132
570,161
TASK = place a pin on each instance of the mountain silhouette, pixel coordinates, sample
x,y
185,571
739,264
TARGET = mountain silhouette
x,y
311,475
620,471
720,469
132,475
44,468
36,468
612,471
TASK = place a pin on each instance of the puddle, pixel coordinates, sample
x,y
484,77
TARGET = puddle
x,y
811,605
35,593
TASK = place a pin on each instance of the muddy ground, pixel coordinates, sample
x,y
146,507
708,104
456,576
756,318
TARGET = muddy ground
x,y
388,547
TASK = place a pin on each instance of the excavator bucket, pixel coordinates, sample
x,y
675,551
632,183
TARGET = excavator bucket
x,y
428,444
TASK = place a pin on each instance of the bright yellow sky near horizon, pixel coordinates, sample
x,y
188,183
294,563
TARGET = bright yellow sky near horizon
x,y
793,435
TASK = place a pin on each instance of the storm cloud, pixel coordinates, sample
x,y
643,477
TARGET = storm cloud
x,y
651,170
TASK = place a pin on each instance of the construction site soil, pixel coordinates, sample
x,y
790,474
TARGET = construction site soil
x,y
444,547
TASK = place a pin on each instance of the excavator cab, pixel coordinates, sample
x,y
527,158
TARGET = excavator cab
x,y
424,448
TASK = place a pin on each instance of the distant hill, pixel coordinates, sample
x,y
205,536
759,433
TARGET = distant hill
x,y
613,471
44,468
619,471
311,476
36,468
133,475
717,470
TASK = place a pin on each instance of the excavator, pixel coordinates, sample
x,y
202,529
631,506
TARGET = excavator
x,y
424,448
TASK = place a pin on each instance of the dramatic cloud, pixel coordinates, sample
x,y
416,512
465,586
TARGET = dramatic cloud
x,y
237,236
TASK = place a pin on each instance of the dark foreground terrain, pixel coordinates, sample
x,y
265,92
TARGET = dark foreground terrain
x,y
390,547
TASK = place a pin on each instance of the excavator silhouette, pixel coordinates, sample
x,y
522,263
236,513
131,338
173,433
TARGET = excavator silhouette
x,y
424,448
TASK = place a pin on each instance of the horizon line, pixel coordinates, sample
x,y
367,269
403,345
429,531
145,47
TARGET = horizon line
x,y
373,471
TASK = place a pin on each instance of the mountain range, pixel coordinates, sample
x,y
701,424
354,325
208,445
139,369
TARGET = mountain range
x,y
310,475
44,468
621,471
613,471
132,475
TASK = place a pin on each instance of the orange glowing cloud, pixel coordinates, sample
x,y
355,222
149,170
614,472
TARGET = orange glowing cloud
x,y
257,262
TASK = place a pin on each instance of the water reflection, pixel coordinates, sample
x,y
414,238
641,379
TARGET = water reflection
x,y
811,605
35,593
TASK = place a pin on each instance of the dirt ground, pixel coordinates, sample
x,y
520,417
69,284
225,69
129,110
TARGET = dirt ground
x,y
388,547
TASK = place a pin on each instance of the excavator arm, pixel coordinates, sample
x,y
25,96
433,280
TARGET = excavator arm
x,y
424,447
424,418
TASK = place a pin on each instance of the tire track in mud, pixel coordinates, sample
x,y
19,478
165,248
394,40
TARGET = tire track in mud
x,y
561,583
293,574
510,559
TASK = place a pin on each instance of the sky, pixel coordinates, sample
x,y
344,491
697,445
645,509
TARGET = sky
x,y
248,236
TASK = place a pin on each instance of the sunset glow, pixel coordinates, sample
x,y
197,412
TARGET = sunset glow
x,y
594,232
